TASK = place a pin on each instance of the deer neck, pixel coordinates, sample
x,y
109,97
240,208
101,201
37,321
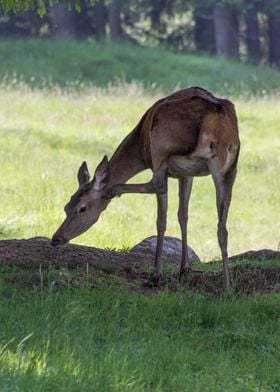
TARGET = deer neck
x,y
127,160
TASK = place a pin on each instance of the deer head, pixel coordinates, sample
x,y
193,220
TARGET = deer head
x,y
86,205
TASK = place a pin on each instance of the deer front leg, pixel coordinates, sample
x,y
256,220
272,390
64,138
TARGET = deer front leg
x,y
185,187
161,227
158,185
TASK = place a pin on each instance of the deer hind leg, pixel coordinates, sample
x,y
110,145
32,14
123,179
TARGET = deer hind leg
x,y
161,227
185,187
223,185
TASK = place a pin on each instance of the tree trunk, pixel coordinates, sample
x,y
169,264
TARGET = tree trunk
x,y
226,31
115,20
273,38
82,20
20,24
8,24
155,14
253,35
100,19
62,20
204,33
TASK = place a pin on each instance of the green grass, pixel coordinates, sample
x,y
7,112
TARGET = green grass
x,y
114,340
45,135
64,102
80,64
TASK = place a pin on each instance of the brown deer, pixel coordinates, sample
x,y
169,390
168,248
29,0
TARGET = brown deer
x,y
186,134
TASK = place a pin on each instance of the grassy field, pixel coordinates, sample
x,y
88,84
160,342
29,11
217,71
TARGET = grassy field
x,y
63,102
45,135
80,64
114,340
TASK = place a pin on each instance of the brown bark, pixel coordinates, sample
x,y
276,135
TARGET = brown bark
x,y
100,18
62,20
253,35
273,37
204,33
114,13
226,31
81,24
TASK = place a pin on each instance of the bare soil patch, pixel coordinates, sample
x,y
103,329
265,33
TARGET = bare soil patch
x,y
35,253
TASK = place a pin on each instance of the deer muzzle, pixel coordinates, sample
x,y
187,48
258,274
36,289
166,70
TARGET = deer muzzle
x,y
57,241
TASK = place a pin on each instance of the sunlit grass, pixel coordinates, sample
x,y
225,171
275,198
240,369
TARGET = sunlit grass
x,y
69,333
45,135
118,341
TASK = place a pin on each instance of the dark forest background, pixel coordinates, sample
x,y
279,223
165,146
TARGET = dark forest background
x,y
247,31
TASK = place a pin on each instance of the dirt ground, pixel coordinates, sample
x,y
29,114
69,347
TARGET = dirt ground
x,y
248,270
246,279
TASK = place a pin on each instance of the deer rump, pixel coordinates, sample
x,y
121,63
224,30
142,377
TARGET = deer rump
x,y
186,129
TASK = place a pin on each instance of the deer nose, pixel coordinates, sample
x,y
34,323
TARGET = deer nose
x,y
56,241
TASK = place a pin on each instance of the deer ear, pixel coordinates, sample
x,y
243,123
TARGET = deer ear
x,y
83,174
101,175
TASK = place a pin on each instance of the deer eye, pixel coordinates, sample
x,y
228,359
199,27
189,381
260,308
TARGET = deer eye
x,y
82,210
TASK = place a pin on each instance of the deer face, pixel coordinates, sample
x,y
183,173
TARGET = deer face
x,y
86,205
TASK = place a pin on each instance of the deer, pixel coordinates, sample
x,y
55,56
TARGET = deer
x,y
187,134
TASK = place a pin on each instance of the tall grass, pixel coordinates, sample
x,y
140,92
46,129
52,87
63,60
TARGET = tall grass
x,y
82,64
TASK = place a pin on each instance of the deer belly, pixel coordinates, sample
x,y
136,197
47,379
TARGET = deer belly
x,y
184,166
